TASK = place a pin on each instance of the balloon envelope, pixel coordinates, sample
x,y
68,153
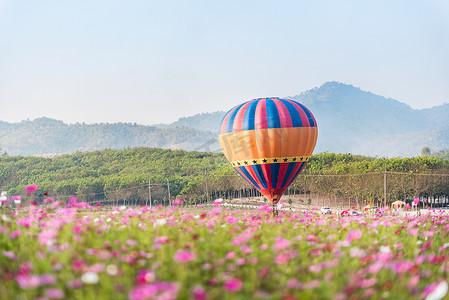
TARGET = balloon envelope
x,y
269,141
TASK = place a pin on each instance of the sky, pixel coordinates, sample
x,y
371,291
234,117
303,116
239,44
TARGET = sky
x,y
150,62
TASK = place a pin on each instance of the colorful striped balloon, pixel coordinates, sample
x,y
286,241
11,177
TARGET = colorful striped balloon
x,y
269,141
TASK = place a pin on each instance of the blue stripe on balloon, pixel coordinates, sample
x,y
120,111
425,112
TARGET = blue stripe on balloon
x,y
288,173
231,118
308,114
303,164
294,114
273,120
246,173
274,175
258,170
250,116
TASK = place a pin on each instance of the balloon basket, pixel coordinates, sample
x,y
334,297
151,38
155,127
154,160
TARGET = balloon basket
x,y
275,211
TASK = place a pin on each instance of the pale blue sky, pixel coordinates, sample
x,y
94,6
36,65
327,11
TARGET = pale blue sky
x,y
155,61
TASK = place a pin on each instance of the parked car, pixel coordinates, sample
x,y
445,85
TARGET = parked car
x,y
326,210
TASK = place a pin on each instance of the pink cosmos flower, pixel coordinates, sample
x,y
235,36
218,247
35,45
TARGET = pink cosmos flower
x,y
246,249
28,281
145,276
15,234
10,254
416,201
30,189
243,237
293,284
48,200
413,231
281,244
233,285
156,290
54,293
365,283
354,235
413,282
199,293
178,201
230,255
183,256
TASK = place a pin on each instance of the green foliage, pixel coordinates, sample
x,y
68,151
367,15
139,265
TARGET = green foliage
x,y
104,172
125,174
425,151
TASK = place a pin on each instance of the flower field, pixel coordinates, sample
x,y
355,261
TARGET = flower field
x,y
75,251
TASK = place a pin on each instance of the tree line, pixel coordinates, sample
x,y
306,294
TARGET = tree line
x,y
125,175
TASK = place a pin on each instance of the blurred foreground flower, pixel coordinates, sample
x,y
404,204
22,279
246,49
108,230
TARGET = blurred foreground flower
x,y
178,201
436,291
30,189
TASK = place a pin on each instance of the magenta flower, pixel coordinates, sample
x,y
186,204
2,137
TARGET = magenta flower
x,y
26,222
48,200
233,285
157,290
31,189
145,276
413,231
365,283
54,294
183,256
15,234
416,201
178,201
246,249
413,282
28,281
281,244
230,255
354,235
199,293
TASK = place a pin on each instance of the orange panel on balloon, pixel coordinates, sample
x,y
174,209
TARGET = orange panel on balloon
x,y
268,143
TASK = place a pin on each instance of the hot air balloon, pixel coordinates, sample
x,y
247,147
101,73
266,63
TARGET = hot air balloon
x,y
269,142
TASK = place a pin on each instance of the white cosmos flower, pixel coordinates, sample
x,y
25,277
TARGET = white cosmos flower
x,y
90,278
160,222
439,292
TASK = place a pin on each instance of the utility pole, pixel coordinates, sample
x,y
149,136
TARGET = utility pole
x,y
168,188
149,191
385,185
207,190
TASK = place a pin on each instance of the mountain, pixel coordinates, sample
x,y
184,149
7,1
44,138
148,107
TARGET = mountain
x,y
355,121
349,119
44,136
352,120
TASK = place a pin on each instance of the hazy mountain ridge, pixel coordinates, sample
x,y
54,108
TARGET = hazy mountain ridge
x,y
349,120
44,136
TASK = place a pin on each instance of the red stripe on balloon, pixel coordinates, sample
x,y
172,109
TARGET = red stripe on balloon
x,y
254,175
260,118
266,169
238,120
246,178
284,114
302,114
282,170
